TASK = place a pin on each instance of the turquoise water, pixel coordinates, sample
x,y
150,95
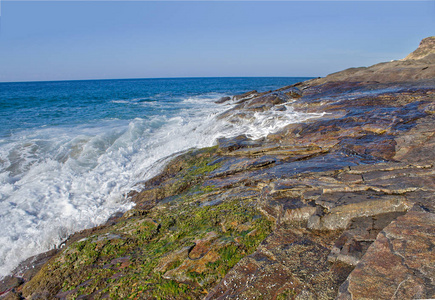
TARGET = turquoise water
x,y
70,103
70,151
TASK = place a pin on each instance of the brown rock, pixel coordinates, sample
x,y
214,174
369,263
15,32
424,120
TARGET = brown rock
x,y
8,283
418,144
289,262
202,246
246,95
360,234
418,65
400,264
223,100
426,47
361,205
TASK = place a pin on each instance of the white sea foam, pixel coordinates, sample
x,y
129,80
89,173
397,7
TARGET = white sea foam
x,y
134,101
120,101
56,181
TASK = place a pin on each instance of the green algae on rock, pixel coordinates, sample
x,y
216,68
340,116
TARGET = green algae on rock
x,y
317,210
176,250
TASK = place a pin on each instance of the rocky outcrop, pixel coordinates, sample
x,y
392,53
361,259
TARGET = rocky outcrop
x,y
426,47
340,205
418,65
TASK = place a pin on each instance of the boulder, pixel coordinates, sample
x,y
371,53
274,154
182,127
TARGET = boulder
x,y
223,100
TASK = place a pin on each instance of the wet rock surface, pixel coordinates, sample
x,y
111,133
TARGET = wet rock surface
x,y
338,206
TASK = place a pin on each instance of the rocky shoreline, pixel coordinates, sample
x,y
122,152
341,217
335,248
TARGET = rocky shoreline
x,y
340,206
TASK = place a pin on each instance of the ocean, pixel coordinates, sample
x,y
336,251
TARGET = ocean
x,y
70,151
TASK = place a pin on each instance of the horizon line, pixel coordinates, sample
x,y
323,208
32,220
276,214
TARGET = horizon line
x,y
151,78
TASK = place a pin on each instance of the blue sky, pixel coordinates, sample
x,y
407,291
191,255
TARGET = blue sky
x,y
60,40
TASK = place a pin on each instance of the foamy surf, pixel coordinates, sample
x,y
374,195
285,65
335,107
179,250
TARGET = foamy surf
x,y
57,180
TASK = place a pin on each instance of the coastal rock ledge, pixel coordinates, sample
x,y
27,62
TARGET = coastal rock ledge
x,y
340,206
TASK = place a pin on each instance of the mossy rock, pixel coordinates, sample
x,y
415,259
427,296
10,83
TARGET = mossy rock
x,y
125,260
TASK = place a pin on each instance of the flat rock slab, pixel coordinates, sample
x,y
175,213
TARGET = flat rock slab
x,y
339,217
360,234
400,264
290,263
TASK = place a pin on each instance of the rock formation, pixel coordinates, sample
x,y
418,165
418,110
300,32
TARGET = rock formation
x,y
337,207
416,66
425,49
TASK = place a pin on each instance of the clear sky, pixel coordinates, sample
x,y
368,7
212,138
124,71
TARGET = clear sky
x,y
60,40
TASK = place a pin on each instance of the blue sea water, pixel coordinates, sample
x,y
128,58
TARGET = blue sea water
x,y
70,151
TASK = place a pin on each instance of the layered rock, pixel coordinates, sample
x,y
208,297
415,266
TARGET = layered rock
x,y
340,205
425,48
399,264
418,65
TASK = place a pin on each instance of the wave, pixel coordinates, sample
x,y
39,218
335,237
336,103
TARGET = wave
x,y
55,181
